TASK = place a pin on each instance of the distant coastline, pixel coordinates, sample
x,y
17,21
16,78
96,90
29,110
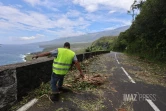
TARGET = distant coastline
x,y
28,56
76,47
16,53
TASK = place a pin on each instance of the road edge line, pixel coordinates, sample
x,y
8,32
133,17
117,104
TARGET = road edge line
x,y
152,105
128,75
116,59
28,105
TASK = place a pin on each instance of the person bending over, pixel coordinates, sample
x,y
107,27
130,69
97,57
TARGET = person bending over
x,y
64,57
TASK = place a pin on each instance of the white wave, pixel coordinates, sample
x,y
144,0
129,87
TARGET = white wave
x,y
23,57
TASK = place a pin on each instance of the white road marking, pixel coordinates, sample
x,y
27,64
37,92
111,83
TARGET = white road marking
x,y
28,105
152,105
148,100
116,59
128,75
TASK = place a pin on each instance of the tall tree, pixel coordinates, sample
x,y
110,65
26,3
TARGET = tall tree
x,y
147,35
135,7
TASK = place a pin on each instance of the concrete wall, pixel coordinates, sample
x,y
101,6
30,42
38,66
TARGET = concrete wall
x,y
16,80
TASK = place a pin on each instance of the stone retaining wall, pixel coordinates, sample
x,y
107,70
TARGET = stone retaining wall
x,y
8,88
16,80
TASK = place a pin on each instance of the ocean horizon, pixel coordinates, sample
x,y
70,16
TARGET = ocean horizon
x,y
11,54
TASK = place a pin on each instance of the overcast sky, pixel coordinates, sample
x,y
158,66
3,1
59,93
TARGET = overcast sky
x,y
27,21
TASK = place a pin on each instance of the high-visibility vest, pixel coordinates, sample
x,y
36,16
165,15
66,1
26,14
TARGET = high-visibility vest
x,y
63,61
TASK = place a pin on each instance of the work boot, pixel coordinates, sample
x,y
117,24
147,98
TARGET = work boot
x,y
54,97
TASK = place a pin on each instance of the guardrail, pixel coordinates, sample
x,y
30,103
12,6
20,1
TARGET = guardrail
x,y
16,80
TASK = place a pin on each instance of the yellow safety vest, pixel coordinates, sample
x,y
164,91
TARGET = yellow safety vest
x,y
63,61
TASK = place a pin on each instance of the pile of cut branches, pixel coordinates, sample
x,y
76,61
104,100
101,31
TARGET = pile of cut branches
x,y
88,82
92,79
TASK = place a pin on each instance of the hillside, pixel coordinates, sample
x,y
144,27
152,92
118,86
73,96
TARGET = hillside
x,y
85,38
103,43
146,37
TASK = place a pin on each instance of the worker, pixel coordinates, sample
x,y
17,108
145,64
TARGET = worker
x,y
64,57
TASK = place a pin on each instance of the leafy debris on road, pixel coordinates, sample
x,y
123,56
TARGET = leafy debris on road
x,y
148,72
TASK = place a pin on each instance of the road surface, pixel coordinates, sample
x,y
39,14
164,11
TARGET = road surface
x,y
123,91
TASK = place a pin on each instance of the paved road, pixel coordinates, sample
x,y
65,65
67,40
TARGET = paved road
x,y
146,97
122,92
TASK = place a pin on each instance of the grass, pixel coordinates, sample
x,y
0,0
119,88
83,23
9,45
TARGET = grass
x,y
146,71
79,86
43,89
126,106
149,72
89,105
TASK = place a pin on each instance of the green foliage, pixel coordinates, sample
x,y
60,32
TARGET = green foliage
x,y
104,43
88,49
137,5
147,35
120,44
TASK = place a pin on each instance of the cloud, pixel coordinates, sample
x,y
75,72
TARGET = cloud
x,y
67,32
22,20
38,2
27,38
33,2
12,17
45,3
15,18
37,36
94,5
73,13
91,8
112,11
69,21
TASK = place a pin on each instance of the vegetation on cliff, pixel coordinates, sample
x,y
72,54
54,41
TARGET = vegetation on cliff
x,y
147,35
104,43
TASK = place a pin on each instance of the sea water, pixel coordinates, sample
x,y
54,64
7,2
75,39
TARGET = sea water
x,y
10,54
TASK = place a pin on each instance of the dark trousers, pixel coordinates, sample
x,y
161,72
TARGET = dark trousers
x,y
56,82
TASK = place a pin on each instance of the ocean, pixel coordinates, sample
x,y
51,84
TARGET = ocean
x,y
10,54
